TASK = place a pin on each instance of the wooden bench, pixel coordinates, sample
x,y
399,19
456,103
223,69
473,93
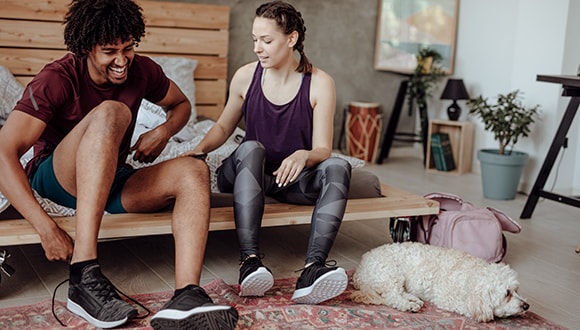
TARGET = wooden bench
x,y
31,35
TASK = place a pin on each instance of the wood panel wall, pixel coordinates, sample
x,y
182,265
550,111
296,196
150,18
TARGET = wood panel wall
x,y
31,35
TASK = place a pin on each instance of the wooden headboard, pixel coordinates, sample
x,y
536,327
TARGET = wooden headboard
x,y
31,35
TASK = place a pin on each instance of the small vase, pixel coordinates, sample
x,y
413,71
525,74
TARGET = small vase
x,y
454,111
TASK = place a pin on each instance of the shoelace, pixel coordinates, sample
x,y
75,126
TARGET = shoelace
x,y
251,256
328,263
147,311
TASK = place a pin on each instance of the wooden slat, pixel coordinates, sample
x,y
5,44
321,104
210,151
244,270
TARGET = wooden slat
x,y
50,10
210,92
396,203
156,13
179,41
31,34
209,111
23,62
185,15
49,35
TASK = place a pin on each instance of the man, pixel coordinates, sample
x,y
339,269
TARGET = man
x,y
79,114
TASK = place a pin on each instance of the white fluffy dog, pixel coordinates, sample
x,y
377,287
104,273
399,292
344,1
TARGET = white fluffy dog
x,y
402,275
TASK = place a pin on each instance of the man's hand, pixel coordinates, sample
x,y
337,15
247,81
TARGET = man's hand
x,y
150,145
57,245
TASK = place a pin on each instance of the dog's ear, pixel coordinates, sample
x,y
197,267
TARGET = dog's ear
x,y
480,306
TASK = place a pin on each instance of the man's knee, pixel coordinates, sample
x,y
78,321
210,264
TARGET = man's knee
x,y
190,171
112,114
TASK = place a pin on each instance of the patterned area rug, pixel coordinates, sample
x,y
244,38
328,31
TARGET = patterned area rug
x,y
276,311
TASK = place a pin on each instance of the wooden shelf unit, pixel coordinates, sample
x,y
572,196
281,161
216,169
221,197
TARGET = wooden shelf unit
x,y
461,138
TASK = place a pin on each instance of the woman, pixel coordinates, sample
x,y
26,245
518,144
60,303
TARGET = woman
x,y
288,106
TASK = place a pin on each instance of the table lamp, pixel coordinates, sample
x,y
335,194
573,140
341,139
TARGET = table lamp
x,y
454,90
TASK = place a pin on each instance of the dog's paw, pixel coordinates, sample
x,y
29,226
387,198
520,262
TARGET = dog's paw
x,y
407,303
415,305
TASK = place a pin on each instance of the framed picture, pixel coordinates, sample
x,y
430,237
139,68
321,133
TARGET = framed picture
x,y
405,26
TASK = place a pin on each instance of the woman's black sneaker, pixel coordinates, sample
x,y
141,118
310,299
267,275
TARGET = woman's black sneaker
x,y
255,278
319,283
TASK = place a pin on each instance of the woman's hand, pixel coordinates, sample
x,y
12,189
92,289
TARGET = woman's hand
x,y
291,167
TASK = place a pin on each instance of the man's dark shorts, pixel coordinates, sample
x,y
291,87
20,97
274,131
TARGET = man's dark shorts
x,y
45,183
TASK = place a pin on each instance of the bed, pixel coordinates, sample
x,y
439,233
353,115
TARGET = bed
x,y
190,41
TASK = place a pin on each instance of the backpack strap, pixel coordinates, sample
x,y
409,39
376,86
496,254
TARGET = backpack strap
x,y
507,223
432,220
446,201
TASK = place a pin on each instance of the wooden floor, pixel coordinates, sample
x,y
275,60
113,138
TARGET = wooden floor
x,y
543,253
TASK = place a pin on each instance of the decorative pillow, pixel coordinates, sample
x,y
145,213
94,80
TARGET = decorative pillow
x,y
180,70
354,162
364,184
10,92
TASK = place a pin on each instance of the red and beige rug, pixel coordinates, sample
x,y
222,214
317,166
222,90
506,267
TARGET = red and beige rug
x,y
276,311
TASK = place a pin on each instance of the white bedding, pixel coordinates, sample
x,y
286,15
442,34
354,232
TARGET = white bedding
x,y
148,118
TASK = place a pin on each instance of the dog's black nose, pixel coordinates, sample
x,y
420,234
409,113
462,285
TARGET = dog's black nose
x,y
525,306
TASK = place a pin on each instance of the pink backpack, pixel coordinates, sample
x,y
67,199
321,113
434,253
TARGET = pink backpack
x,y
460,225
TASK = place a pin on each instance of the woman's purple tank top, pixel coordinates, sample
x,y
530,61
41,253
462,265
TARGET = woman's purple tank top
x,y
282,129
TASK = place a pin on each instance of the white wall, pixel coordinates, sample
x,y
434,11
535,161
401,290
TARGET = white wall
x,y
502,46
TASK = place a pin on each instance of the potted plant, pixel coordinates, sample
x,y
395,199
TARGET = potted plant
x,y
425,77
508,119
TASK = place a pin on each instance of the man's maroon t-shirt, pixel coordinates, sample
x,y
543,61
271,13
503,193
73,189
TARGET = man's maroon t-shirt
x,y
63,93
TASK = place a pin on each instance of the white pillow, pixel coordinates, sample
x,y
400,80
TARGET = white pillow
x,y
10,92
180,70
174,149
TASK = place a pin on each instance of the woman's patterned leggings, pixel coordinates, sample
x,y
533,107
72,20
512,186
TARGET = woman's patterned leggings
x,y
325,186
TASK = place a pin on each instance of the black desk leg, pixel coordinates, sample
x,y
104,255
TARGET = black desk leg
x,y
557,143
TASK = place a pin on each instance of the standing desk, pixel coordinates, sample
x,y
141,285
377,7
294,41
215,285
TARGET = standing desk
x,y
571,88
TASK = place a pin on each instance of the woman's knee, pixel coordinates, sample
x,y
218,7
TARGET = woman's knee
x,y
336,164
250,147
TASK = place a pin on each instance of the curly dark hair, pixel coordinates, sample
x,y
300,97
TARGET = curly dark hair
x,y
289,20
89,23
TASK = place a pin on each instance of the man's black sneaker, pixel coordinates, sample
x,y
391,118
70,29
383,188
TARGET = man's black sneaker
x,y
194,309
94,298
318,283
255,278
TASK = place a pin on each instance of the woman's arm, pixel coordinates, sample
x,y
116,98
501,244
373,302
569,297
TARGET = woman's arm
x,y
232,114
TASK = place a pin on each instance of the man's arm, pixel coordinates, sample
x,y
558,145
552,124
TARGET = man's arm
x,y
18,134
151,144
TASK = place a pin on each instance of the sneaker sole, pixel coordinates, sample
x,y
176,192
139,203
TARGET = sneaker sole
x,y
324,288
202,318
257,283
78,310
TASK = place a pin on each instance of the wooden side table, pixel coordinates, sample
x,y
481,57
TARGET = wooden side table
x,y
461,138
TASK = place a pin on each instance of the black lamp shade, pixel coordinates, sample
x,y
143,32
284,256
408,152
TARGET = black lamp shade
x,y
454,90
